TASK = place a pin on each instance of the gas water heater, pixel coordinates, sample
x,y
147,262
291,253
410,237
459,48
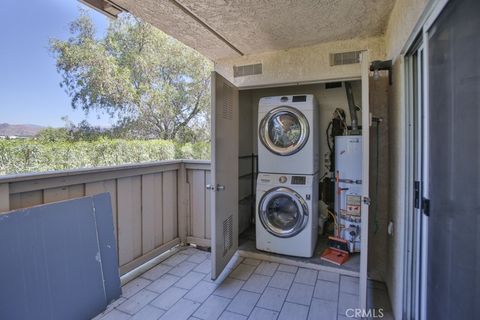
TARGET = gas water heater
x,y
348,186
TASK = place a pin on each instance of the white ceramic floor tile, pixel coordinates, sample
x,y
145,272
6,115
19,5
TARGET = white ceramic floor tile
x,y
201,291
256,283
182,310
182,268
272,299
306,276
134,286
198,257
136,302
292,311
227,315
326,290
328,276
212,308
148,313
263,314
168,298
322,310
116,315
242,272
267,268
163,283
204,267
254,289
244,302
156,272
175,259
229,288
190,280
281,280
300,293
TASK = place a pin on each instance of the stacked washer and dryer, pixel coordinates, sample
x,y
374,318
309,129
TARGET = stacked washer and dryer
x,y
287,183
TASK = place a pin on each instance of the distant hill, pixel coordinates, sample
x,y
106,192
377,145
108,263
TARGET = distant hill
x,y
19,130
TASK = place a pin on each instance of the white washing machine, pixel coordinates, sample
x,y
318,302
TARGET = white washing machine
x,y
288,134
287,214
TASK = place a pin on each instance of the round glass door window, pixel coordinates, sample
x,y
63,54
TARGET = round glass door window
x,y
284,131
283,212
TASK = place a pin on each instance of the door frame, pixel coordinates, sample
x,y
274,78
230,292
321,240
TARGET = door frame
x,y
414,219
414,304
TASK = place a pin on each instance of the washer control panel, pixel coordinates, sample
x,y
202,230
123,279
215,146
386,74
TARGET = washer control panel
x,y
299,180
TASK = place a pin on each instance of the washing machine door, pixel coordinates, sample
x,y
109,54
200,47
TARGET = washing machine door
x,y
284,130
283,212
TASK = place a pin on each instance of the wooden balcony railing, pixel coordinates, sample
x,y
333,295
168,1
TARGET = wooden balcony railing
x,y
156,206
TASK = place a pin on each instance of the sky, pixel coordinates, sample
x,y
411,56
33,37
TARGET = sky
x,y
29,83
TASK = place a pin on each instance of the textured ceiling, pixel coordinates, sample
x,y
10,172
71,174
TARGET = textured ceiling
x,y
254,26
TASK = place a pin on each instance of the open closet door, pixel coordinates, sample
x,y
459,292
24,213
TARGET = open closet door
x,y
224,182
365,180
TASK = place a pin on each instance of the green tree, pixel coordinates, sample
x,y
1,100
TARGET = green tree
x,y
53,135
151,84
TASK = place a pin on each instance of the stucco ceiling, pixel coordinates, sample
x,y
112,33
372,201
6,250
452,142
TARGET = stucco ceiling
x,y
253,26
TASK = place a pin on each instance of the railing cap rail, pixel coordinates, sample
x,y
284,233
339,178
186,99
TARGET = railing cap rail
x,y
82,171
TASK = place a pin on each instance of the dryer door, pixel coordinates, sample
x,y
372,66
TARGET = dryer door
x,y
283,212
284,130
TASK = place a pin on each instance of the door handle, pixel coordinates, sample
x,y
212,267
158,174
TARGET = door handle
x,y
218,187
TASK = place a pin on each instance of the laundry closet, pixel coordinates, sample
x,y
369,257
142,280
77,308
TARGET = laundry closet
x,y
238,184
330,97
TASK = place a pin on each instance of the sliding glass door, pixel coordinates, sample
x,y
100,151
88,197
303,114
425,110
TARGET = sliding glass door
x,y
453,163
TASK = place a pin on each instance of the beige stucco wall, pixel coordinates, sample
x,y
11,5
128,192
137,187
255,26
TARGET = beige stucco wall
x,y
310,63
404,16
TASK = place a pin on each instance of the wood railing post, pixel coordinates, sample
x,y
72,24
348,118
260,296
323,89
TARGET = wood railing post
x,y
182,203
4,197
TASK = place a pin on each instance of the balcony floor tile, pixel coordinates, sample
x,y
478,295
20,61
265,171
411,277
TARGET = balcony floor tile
x,y
181,288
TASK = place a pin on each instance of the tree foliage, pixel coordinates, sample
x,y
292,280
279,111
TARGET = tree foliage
x,y
27,155
151,84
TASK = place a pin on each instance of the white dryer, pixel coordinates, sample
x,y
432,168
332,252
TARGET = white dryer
x,y
288,134
286,217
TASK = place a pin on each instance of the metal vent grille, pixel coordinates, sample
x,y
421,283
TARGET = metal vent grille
x,y
247,70
342,58
227,234
227,108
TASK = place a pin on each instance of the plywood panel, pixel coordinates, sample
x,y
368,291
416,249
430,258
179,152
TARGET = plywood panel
x,y
129,218
208,214
63,193
26,199
170,228
109,186
197,202
152,220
